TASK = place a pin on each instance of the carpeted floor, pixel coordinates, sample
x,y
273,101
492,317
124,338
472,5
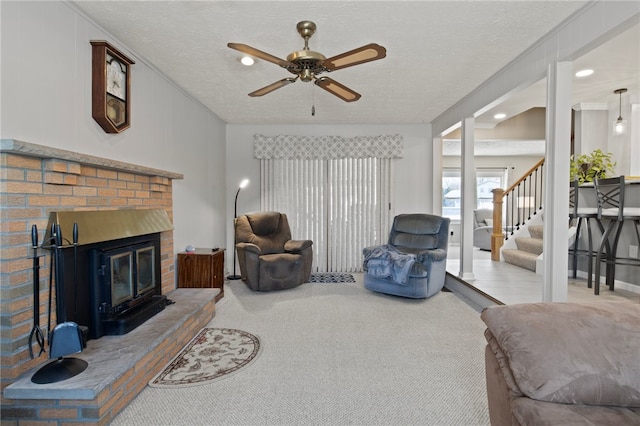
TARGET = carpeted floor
x,y
336,355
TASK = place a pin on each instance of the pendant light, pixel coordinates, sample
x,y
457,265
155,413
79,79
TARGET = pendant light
x,y
620,125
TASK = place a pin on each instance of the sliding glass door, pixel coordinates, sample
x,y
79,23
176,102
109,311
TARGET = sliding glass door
x,y
343,205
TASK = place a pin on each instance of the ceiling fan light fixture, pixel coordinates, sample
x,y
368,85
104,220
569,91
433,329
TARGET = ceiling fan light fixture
x,y
306,75
620,125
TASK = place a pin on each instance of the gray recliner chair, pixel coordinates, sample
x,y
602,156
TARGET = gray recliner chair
x,y
269,259
482,229
413,262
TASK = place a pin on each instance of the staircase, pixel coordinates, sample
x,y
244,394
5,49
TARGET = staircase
x,y
528,249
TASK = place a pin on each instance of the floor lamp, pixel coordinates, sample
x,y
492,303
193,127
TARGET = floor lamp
x,y
243,184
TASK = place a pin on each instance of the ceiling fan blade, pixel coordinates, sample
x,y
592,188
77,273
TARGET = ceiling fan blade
x,y
337,89
259,54
368,53
273,86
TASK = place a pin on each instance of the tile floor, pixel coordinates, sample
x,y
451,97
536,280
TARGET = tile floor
x,y
511,284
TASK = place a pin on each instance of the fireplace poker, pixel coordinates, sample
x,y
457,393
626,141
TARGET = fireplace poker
x,y
75,271
51,267
61,311
56,277
36,331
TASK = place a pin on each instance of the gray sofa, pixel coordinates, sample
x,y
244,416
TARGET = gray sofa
x,y
563,363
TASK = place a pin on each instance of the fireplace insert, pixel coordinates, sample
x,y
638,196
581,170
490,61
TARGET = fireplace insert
x,y
124,291
126,276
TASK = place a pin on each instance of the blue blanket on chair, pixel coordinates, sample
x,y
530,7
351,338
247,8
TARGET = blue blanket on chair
x,y
387,262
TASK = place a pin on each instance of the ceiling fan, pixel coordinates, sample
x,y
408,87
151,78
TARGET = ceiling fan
x,y
307,65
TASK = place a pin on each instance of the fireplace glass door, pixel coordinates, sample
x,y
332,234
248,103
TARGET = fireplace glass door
x,y
145,270
121,278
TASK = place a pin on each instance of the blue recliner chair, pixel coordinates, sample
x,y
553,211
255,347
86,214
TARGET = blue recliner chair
x,y
413,263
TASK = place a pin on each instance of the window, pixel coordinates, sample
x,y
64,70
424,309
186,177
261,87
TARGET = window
x,y
486,181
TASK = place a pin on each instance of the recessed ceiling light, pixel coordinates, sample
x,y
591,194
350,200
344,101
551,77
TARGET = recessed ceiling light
x,y
500,116
247,60
584,73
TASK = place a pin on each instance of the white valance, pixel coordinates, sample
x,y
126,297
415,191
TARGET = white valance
x,y
326,147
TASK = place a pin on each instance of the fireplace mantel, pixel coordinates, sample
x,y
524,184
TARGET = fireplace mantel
x,y
107,225
40,151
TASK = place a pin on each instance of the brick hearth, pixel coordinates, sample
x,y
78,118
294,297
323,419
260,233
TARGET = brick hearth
x,y
119,367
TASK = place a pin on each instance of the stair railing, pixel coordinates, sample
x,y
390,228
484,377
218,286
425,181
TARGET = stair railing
x,y
515,205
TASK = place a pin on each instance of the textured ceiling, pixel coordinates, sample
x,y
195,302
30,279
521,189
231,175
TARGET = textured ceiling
x,y
437,52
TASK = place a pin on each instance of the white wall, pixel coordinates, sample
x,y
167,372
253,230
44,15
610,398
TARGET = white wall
x,y
412,188
591,130
46,100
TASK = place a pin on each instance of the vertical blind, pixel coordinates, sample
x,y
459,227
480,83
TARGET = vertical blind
x,y
342,204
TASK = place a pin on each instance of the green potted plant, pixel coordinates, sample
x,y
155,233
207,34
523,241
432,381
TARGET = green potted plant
x,y
587,167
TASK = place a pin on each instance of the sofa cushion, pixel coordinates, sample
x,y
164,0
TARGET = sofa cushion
x,y
417,224
415,231
267,230
528,411
571,353
406,241
502,363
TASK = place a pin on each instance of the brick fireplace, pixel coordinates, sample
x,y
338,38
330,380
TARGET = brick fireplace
x,y
35,181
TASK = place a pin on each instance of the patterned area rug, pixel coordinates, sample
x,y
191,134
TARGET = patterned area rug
x,y
213,354
331,277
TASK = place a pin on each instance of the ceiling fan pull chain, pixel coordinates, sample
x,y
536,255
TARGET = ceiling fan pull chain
x,y
313,100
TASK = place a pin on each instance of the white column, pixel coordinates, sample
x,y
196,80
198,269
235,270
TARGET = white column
x,y
436,176
468,199
556,194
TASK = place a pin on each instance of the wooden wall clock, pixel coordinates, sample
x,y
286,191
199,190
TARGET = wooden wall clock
x,y
111,87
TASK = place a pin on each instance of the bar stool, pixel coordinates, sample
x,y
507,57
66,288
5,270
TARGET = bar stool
x,y
611,206
583,215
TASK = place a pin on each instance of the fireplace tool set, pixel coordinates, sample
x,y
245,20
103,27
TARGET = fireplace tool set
x,y
66,338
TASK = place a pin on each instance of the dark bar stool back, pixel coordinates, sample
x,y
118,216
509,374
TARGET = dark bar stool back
x,y
583,215
611,206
